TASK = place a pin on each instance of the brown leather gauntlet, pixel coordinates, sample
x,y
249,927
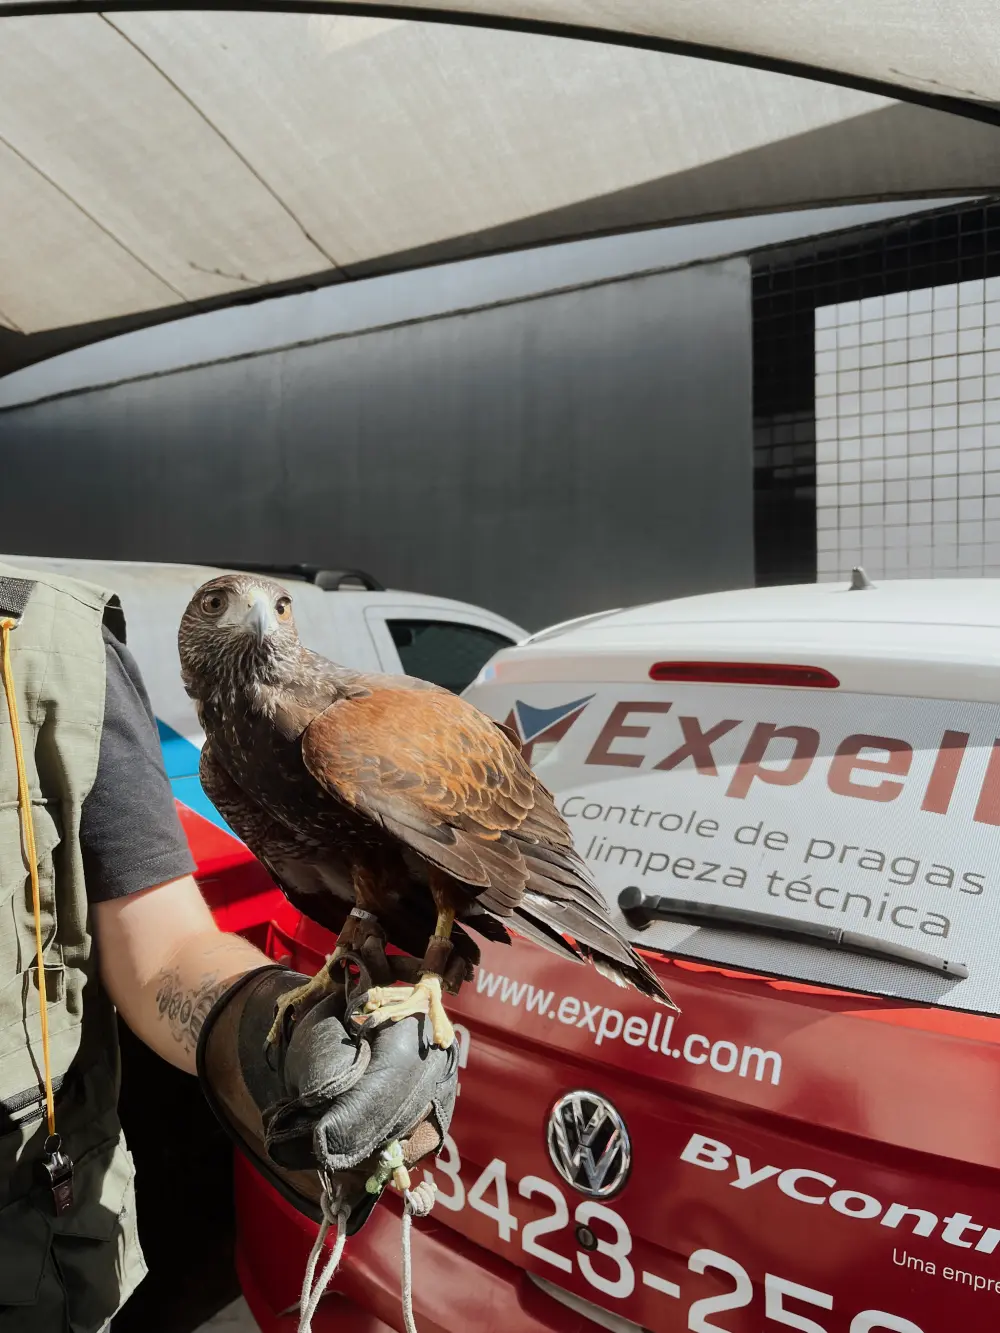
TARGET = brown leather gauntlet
x,y
331,1097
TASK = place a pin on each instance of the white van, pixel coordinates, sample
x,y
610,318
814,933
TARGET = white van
x,y
344,614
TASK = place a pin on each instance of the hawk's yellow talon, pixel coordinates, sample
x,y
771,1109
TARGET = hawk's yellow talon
x,y
313,990
396,1002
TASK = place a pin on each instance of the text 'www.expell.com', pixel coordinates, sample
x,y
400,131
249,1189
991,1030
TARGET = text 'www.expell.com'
x,y
610,1025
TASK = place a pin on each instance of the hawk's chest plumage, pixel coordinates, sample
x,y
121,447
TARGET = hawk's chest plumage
x,y
262,760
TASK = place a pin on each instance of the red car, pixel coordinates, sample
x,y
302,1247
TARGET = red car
x,y
814,1142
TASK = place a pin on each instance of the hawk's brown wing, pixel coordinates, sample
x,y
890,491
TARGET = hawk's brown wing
x,y
448,782
311,873
441,777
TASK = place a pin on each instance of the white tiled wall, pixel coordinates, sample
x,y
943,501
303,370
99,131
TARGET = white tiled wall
x,y
908,433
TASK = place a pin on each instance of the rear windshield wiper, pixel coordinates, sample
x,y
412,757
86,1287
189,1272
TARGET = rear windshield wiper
x,y
640,910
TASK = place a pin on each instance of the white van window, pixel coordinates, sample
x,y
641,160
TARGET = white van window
x,y
445,652
847,839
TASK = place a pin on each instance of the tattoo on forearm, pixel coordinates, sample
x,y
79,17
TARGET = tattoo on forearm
x,y
185,1009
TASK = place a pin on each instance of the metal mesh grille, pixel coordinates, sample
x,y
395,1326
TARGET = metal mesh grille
x,y
936,251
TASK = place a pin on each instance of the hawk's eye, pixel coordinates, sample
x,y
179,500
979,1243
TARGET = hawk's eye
x,y
283,607
213,603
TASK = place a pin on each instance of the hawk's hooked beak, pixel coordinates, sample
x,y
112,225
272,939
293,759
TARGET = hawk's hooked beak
x,y
259,618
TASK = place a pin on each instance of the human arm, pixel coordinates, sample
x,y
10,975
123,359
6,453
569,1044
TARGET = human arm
x,y
162,959
164,962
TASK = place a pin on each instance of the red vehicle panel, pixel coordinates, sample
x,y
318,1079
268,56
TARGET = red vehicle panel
x,y
800,1157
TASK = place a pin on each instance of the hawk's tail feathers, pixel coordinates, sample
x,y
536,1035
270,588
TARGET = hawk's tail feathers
x,y
569,929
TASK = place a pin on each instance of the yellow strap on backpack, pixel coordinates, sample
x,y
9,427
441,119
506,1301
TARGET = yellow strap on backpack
x,y
28,835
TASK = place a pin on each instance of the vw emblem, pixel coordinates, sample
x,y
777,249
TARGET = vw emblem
x,y
589,1144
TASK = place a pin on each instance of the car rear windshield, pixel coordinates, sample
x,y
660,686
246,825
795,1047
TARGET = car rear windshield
x,y
876,818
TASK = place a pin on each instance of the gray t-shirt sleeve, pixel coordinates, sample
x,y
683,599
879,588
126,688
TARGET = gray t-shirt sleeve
x,y
130,832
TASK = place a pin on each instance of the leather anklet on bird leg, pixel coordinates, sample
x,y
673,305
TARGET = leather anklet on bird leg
x,y
439,947
360,927
425,997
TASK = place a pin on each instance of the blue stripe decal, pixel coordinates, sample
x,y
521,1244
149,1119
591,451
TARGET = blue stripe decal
x,y
189,792
179,755
181,760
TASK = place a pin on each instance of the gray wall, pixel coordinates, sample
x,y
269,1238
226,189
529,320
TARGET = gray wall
x,y
545,458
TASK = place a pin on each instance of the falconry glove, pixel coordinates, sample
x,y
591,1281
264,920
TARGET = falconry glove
x,y
318,1114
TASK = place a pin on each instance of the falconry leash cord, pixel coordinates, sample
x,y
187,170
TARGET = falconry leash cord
x,y
417,1202
57,1165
